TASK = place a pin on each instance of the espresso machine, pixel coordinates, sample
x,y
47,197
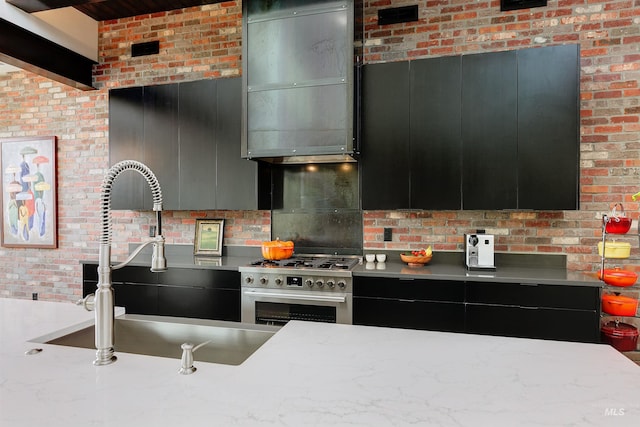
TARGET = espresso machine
x,y
479,251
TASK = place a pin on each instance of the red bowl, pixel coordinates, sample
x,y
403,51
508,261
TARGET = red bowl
x,y
618,277
618,225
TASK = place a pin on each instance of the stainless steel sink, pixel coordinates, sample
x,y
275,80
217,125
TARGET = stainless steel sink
x,y
231,343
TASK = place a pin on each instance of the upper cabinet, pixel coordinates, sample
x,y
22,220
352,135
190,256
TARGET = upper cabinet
x,y
188,134
489,131
549,127
486,131
384,165
436,143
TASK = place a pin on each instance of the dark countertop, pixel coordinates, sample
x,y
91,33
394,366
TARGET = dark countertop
x,y
507,274
510,268
181,256
529,269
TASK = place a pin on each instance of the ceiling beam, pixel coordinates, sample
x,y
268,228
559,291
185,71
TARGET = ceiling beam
x,y
34,53
31,6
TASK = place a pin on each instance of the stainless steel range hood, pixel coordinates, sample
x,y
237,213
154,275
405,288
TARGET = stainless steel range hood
x,y
299,60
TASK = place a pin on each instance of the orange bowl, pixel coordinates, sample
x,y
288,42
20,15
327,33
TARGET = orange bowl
x,y
276,250
414,260
618,277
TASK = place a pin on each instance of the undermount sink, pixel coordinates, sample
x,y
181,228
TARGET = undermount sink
x,y
230,343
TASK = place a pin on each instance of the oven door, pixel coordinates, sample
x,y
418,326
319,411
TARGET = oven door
x,y
278,306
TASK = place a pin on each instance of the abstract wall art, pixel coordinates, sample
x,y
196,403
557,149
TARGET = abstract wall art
x,y
29,211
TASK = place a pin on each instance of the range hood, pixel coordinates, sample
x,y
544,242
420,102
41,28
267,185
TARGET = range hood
x,y
300,80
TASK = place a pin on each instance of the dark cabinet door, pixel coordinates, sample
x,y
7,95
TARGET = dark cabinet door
x,y
436,148
126,142
237,179
161,142
413,304
569,313
489,131
548,134
534,295
385,155
409,314
137,298
533,322
200,293
199,302
197,161
412,289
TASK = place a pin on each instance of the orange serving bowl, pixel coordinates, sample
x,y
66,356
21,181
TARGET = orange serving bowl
x,y
619,305
276,250
618,277
415,261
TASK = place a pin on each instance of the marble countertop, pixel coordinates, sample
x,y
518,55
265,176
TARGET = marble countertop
x,y
315,374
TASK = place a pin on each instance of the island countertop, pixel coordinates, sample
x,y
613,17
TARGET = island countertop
x,y
316,374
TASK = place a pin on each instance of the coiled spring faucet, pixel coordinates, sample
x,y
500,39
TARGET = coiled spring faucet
x,y
103,300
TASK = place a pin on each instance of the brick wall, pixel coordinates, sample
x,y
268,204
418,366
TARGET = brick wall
x,y
205,42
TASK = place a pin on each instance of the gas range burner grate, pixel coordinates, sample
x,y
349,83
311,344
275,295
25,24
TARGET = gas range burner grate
x,y
316,262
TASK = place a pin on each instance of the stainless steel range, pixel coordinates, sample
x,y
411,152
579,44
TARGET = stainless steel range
x,y
315,288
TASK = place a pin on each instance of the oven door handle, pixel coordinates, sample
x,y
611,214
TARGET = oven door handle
x,y
327,298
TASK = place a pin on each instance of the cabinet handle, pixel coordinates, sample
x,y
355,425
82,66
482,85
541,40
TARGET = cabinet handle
x,y
406,300
528,308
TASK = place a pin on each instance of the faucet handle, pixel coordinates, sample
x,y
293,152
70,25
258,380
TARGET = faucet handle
x,y
87,302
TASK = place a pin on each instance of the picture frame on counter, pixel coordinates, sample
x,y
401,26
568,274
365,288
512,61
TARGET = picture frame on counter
x,y
29,192
208,238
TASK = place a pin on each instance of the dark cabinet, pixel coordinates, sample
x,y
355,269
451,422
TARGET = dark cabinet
x,y
548,128
436,144
411,304
189,135
197,161
559,312
161,147
126,141
486,131
569,313
385,161
179,292
489,131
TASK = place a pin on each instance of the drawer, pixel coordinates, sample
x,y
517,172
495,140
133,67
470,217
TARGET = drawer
x,y
201,278
532,295
412,289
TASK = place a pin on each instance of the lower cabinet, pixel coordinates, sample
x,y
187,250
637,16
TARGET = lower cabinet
x,y
179,292
411,304
533,322
567,313
559,312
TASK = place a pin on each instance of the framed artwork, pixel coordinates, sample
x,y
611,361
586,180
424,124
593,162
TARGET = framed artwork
x,y
208,240
29,208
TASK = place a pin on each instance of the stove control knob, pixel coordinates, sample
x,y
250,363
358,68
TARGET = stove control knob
x,y
264,280
342,284
309,283
331,283
279,281
319,283
248,280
